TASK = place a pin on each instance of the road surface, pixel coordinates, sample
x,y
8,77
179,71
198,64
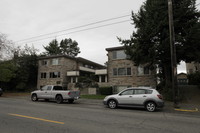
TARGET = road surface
x,y
24,116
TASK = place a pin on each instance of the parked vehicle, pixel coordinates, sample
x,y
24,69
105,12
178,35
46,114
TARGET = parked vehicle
x,y
139,97
57,93
1,92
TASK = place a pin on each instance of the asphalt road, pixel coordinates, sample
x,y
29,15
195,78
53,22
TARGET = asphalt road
x,y
24,116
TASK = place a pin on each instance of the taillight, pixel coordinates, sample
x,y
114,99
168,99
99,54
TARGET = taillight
x,y
69,93
160,96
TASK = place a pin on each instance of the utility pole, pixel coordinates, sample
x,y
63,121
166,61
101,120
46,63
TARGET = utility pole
x,y
173,55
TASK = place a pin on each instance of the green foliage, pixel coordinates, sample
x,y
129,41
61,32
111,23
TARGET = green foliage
x,y
85,82
19,73
105,90
7,71
27,71
194,79
166,91
149,44
69,47
66,47
53,48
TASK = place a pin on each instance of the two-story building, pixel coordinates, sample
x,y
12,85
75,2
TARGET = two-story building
x,y
123,73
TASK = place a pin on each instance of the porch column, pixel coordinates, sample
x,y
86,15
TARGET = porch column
x,y
106,78
99,78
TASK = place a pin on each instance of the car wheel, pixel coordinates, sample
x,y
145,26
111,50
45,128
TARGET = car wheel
x,y
112,104
34,97
151,106
70,100
59,99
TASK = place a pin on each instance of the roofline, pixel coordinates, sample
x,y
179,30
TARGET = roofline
x,y
85,60
80,59
115,48
55,56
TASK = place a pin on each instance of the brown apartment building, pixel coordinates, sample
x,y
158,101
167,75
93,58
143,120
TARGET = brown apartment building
x,y
65,70
120,72
123,73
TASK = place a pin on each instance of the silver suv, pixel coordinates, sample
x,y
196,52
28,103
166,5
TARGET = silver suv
x,y
139,97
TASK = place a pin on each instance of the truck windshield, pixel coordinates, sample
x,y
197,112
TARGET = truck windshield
x,y
57,88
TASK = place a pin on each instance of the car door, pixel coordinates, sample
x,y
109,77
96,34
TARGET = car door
x,y
125,97
42,92
139,96
48,92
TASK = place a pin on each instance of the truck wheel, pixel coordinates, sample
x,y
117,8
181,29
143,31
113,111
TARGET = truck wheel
x,y
70,100
34,97
59,99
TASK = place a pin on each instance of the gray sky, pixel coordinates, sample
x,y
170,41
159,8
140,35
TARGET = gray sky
x,y
22,19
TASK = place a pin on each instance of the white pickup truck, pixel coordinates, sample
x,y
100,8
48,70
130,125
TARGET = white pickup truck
x,y
57,93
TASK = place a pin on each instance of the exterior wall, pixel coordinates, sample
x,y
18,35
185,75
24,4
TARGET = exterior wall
x,y
192,67
64,65
128,80
75,67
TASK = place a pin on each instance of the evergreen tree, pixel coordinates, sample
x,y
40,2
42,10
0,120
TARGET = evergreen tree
x,y
53,48
149,44
69,47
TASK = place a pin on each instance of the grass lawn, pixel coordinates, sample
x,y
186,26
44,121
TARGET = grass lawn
x,y
93,96
8,94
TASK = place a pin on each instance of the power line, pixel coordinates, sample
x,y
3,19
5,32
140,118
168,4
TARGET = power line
x,y
76,31
74,28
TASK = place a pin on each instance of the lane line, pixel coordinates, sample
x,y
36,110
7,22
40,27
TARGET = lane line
x,y
35,118
186,110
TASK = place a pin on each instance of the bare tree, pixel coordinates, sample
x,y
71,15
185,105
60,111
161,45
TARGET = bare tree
x,y
6,47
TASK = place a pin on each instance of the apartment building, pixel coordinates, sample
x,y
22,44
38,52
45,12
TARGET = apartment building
x,y
65,70
123,73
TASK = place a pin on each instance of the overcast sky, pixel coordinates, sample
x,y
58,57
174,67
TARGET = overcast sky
x,y
23,19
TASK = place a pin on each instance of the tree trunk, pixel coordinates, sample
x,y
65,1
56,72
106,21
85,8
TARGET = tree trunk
x,y
167,76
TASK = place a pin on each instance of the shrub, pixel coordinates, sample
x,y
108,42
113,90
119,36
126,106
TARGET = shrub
x,y
105,90
194,78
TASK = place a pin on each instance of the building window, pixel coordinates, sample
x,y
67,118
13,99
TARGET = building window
x,y
122,71
43,75
44,63
115,71
143,70
120,54
55,62
54,74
